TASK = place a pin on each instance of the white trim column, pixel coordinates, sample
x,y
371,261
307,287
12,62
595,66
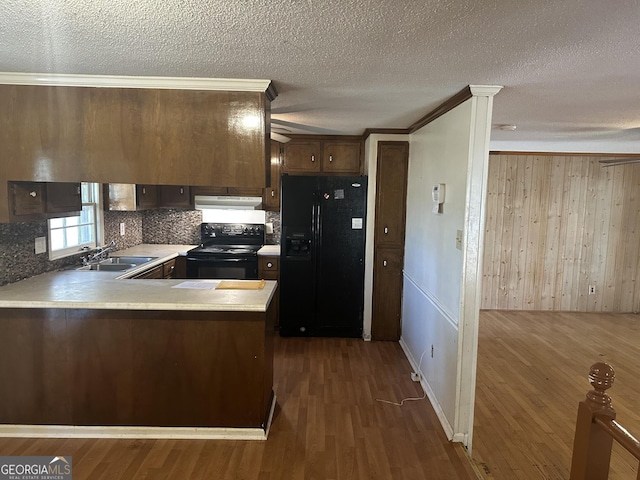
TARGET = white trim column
x,y
473,245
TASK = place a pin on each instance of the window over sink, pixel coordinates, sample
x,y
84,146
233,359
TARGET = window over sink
x,y
68,235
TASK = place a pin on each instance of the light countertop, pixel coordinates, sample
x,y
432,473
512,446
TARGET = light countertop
x,y
107,290
270,250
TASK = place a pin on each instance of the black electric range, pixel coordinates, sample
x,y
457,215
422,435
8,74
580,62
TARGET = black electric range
x,y
227,250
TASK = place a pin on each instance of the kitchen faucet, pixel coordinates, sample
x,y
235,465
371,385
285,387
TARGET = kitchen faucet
x,y
100,253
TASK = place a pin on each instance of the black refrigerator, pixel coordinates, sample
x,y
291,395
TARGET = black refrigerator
x,y
322,255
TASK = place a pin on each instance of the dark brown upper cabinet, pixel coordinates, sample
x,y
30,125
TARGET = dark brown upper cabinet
x,y
134,135
146,197
391,194
341,157
37,200
271,198
302,157
323,155
175,196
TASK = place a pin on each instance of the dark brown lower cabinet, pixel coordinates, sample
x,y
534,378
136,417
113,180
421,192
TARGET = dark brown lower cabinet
x,y
269,269
387,294
136,367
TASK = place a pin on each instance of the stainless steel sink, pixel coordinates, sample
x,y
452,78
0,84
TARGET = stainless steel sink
x,y
108,267
117,263
115,259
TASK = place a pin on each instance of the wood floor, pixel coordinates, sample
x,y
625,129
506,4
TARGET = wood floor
x,y
328,425
532,372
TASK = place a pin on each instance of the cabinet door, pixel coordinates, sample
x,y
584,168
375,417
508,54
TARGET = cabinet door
x,y
271,199
27,198
175,196
391,193
63,197
268,267
301,157
341,157
169,269
155,272
387,294
146,196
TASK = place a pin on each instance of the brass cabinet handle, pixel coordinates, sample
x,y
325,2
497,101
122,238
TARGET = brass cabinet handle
x,y
313,158
273,193
269,264
386,230
181,190
33,194
384,263
330,158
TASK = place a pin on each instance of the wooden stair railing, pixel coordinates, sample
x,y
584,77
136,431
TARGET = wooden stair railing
x,y
596,428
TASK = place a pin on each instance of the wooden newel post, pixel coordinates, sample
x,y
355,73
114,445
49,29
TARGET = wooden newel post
x,y
591,444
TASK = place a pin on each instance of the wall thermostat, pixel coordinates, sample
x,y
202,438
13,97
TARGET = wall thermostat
x,y
438,193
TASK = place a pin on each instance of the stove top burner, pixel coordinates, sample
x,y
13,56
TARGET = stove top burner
x,y
226,249
230,239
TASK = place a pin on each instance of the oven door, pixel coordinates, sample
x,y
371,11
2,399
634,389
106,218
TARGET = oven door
x,y
232,268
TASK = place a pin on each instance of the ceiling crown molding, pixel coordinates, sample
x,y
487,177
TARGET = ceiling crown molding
x,y
117,81
485,90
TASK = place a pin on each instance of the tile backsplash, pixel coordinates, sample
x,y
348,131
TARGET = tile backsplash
x,y
179,227
132,228
17,253
18,259
273,218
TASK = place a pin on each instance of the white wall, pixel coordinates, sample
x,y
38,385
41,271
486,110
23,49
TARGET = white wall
x,y
441,295
433,266
370,169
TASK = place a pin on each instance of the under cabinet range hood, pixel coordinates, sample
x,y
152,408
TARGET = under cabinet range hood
x,y
206,202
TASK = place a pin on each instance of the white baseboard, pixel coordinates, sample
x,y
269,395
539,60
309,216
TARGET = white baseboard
x,y
446,426
182,433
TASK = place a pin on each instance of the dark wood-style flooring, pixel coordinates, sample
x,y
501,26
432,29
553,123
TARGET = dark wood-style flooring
x,y
328,425
532,372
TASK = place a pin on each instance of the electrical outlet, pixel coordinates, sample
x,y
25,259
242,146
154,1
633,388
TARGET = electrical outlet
x,y
41,245
122,229
592,289
415,376
459,239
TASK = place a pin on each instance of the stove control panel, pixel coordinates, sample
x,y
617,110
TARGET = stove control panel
x,y
236,232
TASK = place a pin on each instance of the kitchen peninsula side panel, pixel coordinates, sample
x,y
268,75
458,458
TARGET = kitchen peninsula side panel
x,y
136,368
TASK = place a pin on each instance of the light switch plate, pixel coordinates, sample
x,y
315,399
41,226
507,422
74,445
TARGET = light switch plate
x,y
41,245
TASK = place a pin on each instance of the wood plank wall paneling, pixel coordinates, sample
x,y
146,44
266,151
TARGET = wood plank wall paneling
x,y
556,225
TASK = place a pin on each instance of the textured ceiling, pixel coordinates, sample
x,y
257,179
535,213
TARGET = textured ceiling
x,y
571,69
